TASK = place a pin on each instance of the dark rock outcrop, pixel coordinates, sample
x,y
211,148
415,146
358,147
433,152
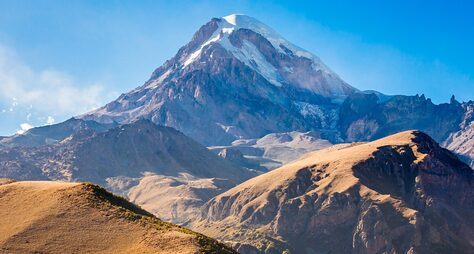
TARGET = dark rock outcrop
x,y
363,118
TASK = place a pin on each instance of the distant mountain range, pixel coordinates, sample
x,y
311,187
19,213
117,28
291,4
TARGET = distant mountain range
x,y
140,160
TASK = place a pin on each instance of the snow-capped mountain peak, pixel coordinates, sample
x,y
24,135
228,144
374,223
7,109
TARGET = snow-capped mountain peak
x,y
236,78
250,55
246,22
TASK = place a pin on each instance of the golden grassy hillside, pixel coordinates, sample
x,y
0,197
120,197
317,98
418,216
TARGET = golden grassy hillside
x,y
59,217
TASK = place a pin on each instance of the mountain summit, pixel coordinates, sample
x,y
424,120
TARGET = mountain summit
x,y
272,56
236,78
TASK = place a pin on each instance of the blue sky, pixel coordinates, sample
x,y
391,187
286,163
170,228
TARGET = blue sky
x,y
63,58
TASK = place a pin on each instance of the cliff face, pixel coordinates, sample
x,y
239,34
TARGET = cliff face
x,y
365,117
462,142
400,194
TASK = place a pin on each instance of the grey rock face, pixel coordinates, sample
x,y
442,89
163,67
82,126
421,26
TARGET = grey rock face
x,y
363,118
51,134
367,116
462,141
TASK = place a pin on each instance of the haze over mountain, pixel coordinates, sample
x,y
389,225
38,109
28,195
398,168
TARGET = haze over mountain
x,y
272,150
59,217
399,194
135,160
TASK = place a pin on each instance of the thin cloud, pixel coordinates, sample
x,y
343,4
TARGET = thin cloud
x,y
24,127
50,120
49,90
32,97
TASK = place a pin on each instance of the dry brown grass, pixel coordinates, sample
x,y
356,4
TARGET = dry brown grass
x,y
58,217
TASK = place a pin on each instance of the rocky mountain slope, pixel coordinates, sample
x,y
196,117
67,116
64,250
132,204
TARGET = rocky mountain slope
x,y
59,217
365,117
237,78
272,150
400,194
462,142
140,156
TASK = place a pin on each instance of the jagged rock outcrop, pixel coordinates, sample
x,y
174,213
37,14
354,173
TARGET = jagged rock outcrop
x,y
400,194
364,117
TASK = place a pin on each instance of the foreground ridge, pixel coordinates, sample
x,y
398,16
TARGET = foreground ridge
x,y
60,217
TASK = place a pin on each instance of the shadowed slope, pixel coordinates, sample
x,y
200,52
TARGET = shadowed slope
x,y
138,155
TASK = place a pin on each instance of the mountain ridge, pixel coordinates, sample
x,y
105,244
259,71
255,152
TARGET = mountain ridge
x,y
139,160
401,193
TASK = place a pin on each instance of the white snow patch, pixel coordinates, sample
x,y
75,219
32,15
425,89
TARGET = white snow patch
x,y
233,130
249,54
247,22
196,53
244,21
288,69
327,117
311,110
159,80
252,57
